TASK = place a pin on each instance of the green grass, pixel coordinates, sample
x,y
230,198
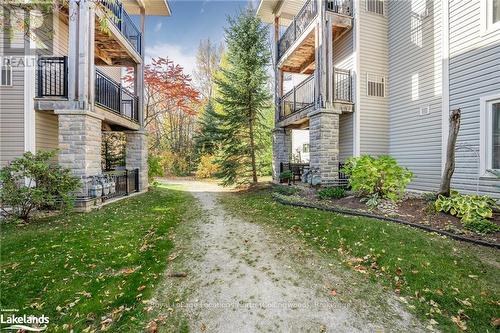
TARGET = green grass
x,y
83,269
439,278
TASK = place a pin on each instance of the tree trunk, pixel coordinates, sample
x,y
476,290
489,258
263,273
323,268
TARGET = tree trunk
x,y
252,152
449,167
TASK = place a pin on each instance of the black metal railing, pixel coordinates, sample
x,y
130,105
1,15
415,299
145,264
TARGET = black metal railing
x,y
52,77
299,24
123,22
299,98
297,169
343,7
120,183
342,85
114,97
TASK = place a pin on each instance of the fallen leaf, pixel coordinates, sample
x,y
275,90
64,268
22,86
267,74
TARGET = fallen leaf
x,y
333,292
495,322
459,323
203,327
152,327
141,288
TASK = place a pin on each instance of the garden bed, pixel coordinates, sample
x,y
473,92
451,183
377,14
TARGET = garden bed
x,y
413,209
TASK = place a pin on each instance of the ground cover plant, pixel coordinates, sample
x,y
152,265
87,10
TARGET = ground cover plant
x,y
450,285
331,193
96,271
473,210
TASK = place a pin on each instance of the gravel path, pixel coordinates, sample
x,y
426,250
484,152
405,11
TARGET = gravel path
x,y
245,277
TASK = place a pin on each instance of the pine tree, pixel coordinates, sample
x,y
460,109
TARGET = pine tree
x,y
244,96
208,137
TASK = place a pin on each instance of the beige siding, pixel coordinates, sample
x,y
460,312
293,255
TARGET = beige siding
x,y
474,72
114,73
12,104
46,127
374,115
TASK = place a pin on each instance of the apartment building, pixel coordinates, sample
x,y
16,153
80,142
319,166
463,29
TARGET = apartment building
x,y
380,77
62,87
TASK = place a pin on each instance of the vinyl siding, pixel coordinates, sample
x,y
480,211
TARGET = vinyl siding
x,y
374,117
47,131
12,104
113,72
343,59
415,80
474,72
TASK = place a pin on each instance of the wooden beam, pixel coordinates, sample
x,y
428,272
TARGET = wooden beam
x,y
307,63
104,56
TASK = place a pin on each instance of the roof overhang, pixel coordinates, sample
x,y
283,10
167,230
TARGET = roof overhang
x,y
152,7
285,9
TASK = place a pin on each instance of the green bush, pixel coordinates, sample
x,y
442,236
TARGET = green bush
x,y
285,190
48,185
473,210
382,176
155,169
287,174
331,193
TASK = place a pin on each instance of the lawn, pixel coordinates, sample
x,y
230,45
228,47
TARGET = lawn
x,y
92,271
450,285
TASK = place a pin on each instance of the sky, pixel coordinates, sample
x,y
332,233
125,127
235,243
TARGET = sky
x,y
179,35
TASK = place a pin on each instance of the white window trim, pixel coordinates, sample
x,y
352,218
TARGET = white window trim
x,y
487,25
9,66
384,8
485,130
385,84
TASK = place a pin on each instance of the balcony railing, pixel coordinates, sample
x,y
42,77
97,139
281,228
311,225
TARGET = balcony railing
x,y
299,98
114,97
343,7
52,82
123,22
299,24
305,16
120,183
52,75
342,85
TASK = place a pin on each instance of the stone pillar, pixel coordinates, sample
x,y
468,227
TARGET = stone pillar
x,y
80,144
137,156
282,146
324,144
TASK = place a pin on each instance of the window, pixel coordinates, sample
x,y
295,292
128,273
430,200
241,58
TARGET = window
x,y
495,135
496,11
375,85
6,73
490,134
375,6
490,21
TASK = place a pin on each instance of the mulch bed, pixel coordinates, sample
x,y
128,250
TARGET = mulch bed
x,y
412,209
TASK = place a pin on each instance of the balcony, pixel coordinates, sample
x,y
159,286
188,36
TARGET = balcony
x,y
301,32
123,22
301,97
52,84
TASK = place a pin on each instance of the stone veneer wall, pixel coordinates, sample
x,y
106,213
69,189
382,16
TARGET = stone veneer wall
x,y
80,144
324,144
282,146
137,156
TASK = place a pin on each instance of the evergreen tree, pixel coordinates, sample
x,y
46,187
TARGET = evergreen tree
x,y
208,137
244,96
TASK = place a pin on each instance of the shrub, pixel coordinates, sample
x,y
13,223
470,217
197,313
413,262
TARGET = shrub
x,y
286,190
473,210
207,167
155,168
382,176
331,193
287,174
49,185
